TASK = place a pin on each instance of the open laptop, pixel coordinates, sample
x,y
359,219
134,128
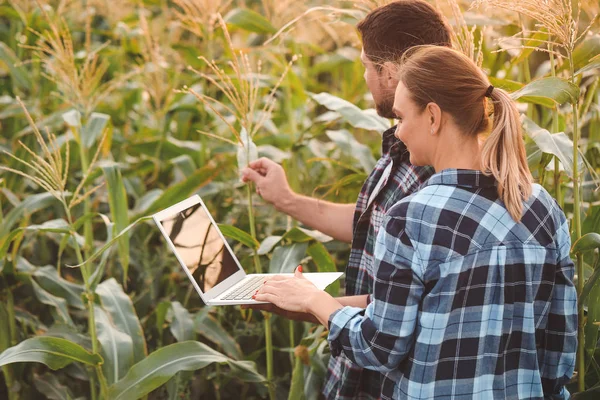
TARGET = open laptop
x,y
207,259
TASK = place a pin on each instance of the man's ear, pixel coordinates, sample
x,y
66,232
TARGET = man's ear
x,y
434,113
390,74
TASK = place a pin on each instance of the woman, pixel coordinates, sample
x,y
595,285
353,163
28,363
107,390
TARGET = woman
x,y
473,294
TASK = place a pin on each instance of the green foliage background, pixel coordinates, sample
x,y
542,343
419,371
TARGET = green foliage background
x,y
92,305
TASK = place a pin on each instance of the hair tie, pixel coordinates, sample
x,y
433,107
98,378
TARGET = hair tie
x,y
488,92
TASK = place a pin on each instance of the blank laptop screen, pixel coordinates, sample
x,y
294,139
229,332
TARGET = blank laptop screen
x,y
200,247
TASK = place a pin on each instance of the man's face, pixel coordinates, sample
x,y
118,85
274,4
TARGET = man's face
x,y
380,85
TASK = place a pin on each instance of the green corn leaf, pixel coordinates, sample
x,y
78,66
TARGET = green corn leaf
x,y
587,242
58,303
557,90
94,128
120,308
557,144
73,119
109,243
350,146
55,226
117,200
239,235
286,258
163,364
297,234
19,74
55,353
117,347
364,119
208,326
267,245
183,189
536,40
324,263
594,63
182,326
47,277
583,53
297,386
98,273
28,206
170,147
593,316
51,387
249,20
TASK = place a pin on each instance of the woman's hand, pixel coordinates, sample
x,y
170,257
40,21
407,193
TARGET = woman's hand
x,y
291,293
297,294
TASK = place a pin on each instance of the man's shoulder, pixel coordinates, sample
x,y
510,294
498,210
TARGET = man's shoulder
x,y
410,177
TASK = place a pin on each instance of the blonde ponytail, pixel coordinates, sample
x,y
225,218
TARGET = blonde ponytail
x,y
503,154
455,83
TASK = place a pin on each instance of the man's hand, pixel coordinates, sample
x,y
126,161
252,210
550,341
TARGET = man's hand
x,y
271,184
270,180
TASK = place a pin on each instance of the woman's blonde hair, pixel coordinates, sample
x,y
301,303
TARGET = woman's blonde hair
x,y
434,74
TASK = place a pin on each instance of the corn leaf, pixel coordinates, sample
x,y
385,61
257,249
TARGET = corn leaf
x,y
55,353
94,128
297,234
286,258
208,326
163,364
249,20
117,347
120,308
19,74
356,117
58,303
267,245
587,242
557,90
183,189
51,387
117,200
324,263
239,235
47,277
182,326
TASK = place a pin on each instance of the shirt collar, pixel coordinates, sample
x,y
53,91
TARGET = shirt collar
x,y
462,177
391,145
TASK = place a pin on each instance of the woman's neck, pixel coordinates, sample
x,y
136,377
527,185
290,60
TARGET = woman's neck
x,y
457,151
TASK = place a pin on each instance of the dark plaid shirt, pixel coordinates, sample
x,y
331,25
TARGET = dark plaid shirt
x,y
467,303
345,379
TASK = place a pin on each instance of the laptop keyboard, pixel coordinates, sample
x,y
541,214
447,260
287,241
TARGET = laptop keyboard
x,y
246,290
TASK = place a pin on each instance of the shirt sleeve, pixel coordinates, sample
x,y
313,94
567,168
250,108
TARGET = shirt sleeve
x,y
560,341
380,336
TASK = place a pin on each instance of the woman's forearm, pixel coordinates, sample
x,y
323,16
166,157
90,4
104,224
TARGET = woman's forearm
x,y
322,305
353,301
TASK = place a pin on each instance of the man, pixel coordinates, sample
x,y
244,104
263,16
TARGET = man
x,y
386,32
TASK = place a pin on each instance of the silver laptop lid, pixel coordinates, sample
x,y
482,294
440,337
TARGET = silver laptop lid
x,y
200,247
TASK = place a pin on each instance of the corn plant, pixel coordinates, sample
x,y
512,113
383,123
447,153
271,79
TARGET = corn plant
x,y
98,81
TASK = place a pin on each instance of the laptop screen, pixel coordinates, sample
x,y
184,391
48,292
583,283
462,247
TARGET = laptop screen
x,y
200,246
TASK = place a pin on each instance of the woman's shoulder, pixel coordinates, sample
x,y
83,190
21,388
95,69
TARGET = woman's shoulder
x,y
544,203
426,200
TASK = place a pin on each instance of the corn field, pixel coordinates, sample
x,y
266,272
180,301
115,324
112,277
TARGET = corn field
x,y
113,110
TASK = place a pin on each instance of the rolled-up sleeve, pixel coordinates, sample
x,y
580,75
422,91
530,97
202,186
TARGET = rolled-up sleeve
x,y
380,336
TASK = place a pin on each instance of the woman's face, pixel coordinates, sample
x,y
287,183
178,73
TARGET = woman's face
x,y
414,127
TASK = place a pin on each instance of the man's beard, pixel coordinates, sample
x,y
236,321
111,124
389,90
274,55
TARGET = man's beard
x,y
384,108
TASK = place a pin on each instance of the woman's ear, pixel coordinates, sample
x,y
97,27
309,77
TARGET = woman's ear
x,y
390,74
434,113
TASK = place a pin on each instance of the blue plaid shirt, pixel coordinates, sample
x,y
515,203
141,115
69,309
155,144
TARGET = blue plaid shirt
x,y
467,303
345,379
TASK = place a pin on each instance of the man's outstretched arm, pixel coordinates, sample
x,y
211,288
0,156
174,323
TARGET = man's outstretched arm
x,y
271,183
